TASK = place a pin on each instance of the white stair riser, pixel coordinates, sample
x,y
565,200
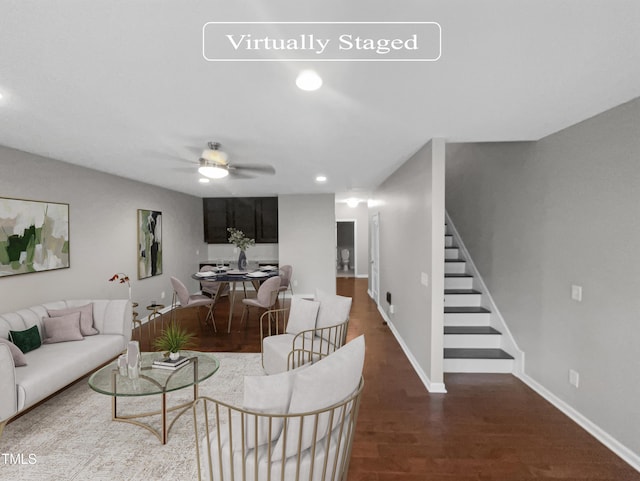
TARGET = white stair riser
x,y
448,241
462,300
479,365
465,319
472,341
451,253
454,267
458,282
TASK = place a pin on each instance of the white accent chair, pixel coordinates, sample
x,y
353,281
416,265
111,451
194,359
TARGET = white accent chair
x,y
298,425
313,330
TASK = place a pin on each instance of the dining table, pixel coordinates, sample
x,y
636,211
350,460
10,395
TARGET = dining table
x,y
231,277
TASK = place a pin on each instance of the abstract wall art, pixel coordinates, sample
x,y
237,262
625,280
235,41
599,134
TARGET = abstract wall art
x,y
149,243
34,236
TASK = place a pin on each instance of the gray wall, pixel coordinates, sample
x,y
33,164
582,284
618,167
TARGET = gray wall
x,y
361,215
539,217
307,241
103,237
411,207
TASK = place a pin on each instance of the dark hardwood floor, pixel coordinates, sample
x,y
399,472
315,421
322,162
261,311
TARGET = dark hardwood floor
x,y
487,427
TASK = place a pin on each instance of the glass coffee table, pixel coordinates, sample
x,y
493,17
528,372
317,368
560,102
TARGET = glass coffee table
x,y
154,381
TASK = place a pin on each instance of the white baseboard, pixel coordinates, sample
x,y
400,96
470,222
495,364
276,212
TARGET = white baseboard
x,y
630,457
432,387
362,276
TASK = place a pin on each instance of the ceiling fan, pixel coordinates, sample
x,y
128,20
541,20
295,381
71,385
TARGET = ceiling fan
x,y
214,165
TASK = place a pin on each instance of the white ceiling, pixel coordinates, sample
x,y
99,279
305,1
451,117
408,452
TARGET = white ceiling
x,y
121,86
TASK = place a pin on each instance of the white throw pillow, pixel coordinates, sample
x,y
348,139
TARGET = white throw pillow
x,y
319,386
267,395
302,316
62,329
333,310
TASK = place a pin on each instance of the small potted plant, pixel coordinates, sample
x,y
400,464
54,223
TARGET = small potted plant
x,y
173,339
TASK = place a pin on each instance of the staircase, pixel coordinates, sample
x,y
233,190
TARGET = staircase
x,y
471,344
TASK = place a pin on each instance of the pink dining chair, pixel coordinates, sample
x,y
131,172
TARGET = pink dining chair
x,y
181,294
286,272
266,297
211,287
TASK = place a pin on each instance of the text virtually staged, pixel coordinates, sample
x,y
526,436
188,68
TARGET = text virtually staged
x,y
339,41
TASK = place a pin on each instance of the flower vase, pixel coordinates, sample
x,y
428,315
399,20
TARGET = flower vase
x,y
174,356
242,261
133,359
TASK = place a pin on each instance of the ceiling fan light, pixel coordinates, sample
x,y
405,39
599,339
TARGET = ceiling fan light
x,y
217,156
213,171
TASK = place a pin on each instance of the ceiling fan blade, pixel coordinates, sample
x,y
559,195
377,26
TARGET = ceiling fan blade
x,y
240,174
263,169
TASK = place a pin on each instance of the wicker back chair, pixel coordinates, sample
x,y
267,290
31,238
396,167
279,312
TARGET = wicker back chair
x,y
282,351
234,444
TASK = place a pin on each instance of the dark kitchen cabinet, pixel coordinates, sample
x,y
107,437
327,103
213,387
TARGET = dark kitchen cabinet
x,y
244,215
267,219
257,217
216,219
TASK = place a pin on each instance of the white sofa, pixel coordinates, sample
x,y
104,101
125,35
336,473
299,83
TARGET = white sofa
x,y
53,366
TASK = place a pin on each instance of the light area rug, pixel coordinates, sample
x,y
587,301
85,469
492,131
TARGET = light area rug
x,y
72,436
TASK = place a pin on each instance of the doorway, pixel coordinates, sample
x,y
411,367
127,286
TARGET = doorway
x,y
374,261
345,248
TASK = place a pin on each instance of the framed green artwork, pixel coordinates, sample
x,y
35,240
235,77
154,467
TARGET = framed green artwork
x,y
149,243
34,236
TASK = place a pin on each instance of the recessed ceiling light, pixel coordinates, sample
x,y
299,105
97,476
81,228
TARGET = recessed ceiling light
x,y
308,80
353,202
321,178
203,180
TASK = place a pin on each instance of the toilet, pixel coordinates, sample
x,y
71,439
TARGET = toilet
x,y
344,259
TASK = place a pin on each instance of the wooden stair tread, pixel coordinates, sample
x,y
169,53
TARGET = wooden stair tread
x,y
466,310
471,330
461,353
457,275
461,291
455,260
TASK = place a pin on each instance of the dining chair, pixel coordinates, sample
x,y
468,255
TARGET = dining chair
x,y
186,301
266,297
286,272
211,287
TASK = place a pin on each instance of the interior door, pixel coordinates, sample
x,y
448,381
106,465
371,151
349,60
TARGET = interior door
x,y
375,257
